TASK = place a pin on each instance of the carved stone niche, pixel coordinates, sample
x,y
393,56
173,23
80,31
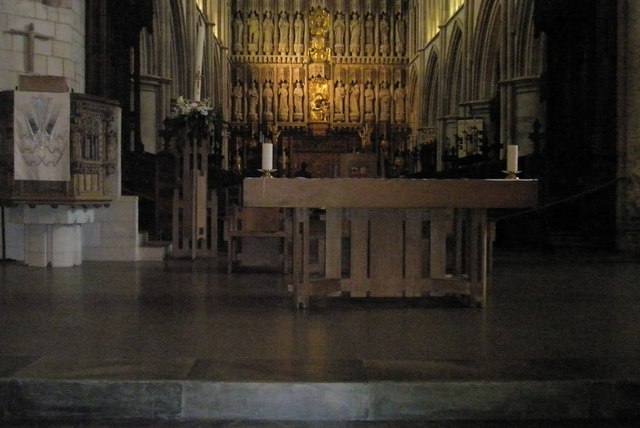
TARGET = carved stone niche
x,y
94,152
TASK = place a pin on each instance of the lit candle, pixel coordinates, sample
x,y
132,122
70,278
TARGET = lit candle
x,y
267,156
197,87
512,158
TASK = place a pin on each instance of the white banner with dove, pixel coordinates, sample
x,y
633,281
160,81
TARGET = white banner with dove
x,y
41,123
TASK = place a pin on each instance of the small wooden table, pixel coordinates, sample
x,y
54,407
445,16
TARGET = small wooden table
x,y
401,238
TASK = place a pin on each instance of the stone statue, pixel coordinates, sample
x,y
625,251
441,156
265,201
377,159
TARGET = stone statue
x,y
384,34
338,101
252,95
283,101
238,28
369,96
385,101
298,28
369,26
338,33
354,30
298,95
283,29
267,94
399,96
354,102
237,101
267,30
400,34
254,27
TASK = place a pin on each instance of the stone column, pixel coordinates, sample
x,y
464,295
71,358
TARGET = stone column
x,y
628,191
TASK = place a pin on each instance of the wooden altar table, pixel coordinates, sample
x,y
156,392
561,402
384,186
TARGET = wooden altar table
x,y
400,238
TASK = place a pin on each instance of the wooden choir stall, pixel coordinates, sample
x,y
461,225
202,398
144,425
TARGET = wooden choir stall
x,y
393,237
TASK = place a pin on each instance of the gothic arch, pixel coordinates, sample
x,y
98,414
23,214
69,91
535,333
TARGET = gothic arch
x,y
454,72
430,112
486,51
179,59
527,46
412,99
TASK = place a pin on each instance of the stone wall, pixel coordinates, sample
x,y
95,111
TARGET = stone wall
x,y
58,45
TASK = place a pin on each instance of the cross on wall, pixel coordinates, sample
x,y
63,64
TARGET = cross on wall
x,y
30,52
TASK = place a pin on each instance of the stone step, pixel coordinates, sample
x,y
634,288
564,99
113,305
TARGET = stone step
x,y
191,400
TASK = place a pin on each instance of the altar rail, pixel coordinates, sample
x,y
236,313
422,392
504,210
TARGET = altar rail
x,y
94,156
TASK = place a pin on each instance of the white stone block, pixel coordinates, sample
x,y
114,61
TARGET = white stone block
x,y
40,63
35,244
69,68
4,21
36,259
7,45
77,37
36,237
43,47
91,234
8,7
65,245
17,60
61,49
53,14
67,16
15,241
8,79
45,27
63,32
120,230
22,7
54,66
63,237
44,214
41,11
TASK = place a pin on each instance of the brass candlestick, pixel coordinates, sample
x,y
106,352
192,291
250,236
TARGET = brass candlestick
x,y
267,173
512,175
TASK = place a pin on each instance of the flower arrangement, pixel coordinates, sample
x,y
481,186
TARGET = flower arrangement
x,y
196,117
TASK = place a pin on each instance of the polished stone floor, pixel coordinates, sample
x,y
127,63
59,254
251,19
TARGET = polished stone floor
x,y
571,315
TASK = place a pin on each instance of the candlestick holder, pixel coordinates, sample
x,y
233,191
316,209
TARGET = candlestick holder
x,y
512,175
267,173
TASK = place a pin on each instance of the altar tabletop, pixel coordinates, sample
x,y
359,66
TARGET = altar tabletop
x,y
389,193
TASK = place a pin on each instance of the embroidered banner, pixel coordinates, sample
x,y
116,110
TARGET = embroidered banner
x,y
41,136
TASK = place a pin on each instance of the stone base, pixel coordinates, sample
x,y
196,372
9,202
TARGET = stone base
x,y
52,236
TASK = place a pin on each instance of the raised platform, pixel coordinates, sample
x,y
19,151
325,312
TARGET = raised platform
x,y
179,342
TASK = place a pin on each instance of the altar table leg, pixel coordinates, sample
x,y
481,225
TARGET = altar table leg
x,y
478,257
301,281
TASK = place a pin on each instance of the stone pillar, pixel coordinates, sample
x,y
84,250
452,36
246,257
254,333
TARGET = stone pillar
x,y
628,191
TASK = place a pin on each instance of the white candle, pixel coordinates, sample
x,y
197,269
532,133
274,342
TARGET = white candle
x,y
267,156
197,87
512,158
